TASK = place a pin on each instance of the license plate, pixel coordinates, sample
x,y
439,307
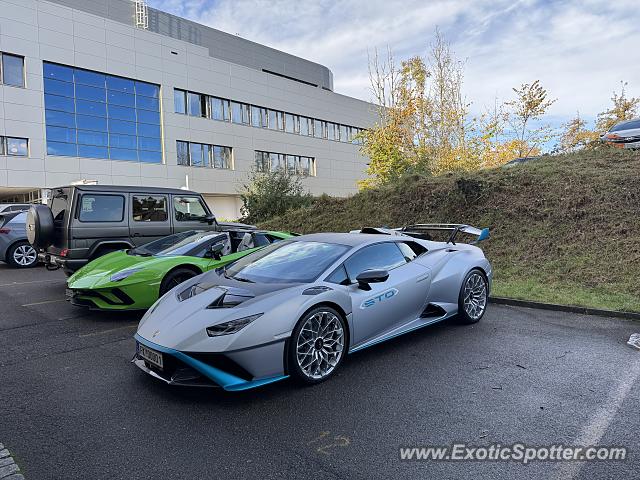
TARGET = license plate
x,y
151,356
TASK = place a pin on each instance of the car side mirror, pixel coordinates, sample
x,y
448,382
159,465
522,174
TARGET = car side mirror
x,y
215,251
371,276
210,219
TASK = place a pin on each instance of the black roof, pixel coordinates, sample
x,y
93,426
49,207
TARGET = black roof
x,y
127,188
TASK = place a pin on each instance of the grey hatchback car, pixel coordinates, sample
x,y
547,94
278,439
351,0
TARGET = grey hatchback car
x,y
15,249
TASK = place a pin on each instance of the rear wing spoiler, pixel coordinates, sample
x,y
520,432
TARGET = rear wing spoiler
x,y
453,228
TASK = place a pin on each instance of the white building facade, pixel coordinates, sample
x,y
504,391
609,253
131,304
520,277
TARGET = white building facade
x,y
114,92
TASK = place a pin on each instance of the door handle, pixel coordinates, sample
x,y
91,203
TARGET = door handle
x,y
422,277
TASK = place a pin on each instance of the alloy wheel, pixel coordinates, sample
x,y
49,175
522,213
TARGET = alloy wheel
x,y
320,345
25,255
475,295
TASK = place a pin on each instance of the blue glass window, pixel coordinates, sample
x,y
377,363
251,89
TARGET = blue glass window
x,y
57,87
92,138
92,151
55,102
120,126
121,84
94,115
122,113
121,98
90,93
85,77
61,134
91,108
123,154
147,90
145,130
59,72
63,119
145,143
148,103
147,116
92,123
62,149
122,141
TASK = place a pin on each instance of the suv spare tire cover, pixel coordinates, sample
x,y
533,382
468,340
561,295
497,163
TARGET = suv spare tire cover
x,y
40,229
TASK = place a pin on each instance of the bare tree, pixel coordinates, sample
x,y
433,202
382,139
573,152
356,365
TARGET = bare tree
x,y
530,104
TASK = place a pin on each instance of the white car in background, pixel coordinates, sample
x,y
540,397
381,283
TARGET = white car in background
x,y
624,134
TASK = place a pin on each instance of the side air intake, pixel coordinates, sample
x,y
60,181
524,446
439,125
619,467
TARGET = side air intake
x,y
433,311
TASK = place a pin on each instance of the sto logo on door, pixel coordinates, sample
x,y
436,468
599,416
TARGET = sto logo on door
x,y
370,302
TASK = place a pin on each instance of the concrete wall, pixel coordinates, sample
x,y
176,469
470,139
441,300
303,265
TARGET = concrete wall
x,y
45,31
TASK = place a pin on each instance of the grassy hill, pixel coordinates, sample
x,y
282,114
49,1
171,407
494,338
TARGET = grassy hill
x,y
564,229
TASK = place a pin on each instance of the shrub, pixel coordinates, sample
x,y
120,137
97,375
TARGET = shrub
x,y
270,194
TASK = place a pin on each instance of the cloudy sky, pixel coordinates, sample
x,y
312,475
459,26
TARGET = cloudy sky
x,y
579,49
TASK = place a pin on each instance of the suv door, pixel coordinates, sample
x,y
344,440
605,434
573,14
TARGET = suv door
x,y
149,217
189,213
98,216
388,304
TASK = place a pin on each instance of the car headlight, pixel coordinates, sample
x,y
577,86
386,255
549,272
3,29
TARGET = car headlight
x,y
116,277
232,326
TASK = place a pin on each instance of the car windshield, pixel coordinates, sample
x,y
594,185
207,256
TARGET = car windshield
x,y
628,125
290,262
173,245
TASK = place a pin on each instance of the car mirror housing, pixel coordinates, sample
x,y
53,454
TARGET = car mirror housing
x,y
210,219
371,276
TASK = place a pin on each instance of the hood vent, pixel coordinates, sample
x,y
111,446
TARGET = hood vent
x,y
232,297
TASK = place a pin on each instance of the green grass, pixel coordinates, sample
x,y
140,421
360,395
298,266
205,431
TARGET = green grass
x,y
564,229
565,294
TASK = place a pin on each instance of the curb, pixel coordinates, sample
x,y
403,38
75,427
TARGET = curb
x,y
9,470
564,308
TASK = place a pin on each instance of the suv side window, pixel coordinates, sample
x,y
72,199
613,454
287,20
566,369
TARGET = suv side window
x,y
101,208
149,208
383,256
189,209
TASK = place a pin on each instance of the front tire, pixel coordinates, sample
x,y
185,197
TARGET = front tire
x,y
473,298
318,345
175,278
22,255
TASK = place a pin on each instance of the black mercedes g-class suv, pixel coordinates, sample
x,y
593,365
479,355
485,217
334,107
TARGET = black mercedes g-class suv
x,y
83,222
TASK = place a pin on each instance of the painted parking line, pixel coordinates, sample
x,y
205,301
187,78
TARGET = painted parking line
x,y
12,284
92,334
44,302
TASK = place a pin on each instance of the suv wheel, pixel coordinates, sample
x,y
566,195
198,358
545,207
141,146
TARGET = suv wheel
x,y
22,255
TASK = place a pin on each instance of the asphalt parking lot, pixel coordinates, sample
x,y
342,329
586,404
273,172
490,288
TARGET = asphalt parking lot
x,y
72,406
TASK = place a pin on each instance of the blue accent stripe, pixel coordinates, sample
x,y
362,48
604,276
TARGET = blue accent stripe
x,y
225,380
384,338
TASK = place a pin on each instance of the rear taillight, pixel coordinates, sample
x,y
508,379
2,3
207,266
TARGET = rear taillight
x,y
64,252
5,230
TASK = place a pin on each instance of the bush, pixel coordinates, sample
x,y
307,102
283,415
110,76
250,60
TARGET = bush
x,y
270,194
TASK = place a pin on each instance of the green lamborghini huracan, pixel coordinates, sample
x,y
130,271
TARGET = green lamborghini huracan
x,y
134,279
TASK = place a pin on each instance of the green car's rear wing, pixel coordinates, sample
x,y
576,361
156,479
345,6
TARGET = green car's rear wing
x,y
453,228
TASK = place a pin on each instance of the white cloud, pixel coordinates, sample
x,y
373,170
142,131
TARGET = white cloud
x,y
579,50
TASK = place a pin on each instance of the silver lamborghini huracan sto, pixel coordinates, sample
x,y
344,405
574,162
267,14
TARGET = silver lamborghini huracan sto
x,y
297,307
